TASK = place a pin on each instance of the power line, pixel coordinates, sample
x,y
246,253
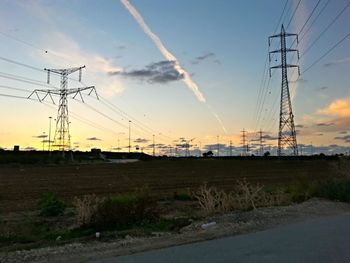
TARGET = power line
x,y
311,14
325,30
127,116
274,108
32,67
25,80
295,10
12,96
263,87
326,53
315,19
281,16
13,88
23,42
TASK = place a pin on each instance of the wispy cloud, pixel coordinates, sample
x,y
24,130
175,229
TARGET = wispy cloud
x,y
325,124
206,56
40,136
337,62
141,140
345,138
93,139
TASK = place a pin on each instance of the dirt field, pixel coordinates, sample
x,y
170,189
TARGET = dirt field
x,y
22,185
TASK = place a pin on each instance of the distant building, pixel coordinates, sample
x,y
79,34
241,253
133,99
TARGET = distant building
x,y
95,150
16,148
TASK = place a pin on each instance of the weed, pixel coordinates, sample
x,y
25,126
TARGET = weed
x,y
51,205
183,196
119,211
335,190
86,209
246,196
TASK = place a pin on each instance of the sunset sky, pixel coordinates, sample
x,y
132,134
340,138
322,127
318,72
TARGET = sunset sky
x,y
220,47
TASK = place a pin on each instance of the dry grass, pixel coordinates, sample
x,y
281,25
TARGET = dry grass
x,y
246,196
86,209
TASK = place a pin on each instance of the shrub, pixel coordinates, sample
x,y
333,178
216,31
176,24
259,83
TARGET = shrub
x,y
183,196
51,205
115,211
335,190
302,190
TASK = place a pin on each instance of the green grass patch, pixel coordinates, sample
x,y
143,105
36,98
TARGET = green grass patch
x,y
335,190
183,196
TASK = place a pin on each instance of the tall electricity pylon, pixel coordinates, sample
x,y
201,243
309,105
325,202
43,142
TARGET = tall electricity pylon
x,y
286,133
62,136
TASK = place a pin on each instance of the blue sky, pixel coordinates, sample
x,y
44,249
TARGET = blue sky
x,y
221,44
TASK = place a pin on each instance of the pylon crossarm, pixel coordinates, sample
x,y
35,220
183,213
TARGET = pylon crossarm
x,y
291,35
79,90
48,94
94,89
36,94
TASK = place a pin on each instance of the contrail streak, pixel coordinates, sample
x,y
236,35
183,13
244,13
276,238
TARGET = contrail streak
x,y
170,57
217,118
156,40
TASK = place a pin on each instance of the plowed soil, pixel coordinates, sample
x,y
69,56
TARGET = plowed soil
x,y
21,186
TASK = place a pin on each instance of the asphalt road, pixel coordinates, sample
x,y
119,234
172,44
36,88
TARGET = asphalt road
x,y
325,239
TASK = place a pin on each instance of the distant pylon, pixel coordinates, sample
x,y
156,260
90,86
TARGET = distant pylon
x,y
286,133
62,136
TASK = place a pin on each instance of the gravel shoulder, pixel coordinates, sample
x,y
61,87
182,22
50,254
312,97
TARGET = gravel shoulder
x,y
236,223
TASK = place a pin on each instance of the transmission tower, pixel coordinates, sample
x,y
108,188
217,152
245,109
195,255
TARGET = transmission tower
x,y
286,134
62,136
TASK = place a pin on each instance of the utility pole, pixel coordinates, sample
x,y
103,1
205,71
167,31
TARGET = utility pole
x,y
154,147
286,133
129,136
44,136
62,137
261,143
311,149
218,146
50,119
244,145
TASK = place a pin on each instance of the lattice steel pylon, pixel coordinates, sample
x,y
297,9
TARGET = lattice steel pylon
x,y
62,135
286,133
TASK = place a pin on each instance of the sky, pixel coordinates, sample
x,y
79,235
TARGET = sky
x,y
184,71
